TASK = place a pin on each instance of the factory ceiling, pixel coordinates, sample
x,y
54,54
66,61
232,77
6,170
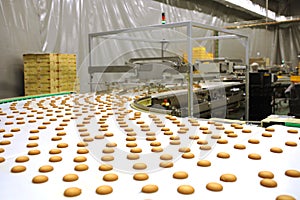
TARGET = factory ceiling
x,y
242,10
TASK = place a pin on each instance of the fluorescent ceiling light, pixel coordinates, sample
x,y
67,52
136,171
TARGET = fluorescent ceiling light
x,y
254,8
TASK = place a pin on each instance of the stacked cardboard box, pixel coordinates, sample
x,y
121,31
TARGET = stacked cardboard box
x,y
49,73
199,53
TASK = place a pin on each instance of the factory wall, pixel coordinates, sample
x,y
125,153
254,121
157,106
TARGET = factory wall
x,y
43,26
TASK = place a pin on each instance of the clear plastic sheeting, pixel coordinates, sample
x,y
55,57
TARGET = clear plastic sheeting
x,y
36,26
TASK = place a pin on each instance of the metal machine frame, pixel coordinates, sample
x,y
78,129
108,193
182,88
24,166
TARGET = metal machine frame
x,y
190,26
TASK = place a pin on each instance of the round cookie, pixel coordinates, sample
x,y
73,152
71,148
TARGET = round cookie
x,y
82,151
285,197
40,179
223,155
266,134
139,166
80,159
239,146
276,150
204,163
81,167
205,147
253,141
291,143
292,173
213,186
166,164
184,149
222,141
136,150
294,131
8,135
228,178
254,156
185,189
140,176
270,129
107,158
150,188
5,142
166,157
268,183
105,167
110,177
18,169
62,145
46,168
157,149
34,152
31,145
21,159
72,192
55,151
2,159
55,159
188,155
104,189
266,174
108,150
133,156
180,175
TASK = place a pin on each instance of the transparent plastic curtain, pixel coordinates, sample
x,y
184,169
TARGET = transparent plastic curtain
x,y
62,26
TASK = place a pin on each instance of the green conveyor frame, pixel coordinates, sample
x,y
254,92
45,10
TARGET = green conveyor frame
x,y
2,101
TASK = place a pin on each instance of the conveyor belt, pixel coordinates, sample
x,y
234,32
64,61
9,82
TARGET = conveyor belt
x,y
101,122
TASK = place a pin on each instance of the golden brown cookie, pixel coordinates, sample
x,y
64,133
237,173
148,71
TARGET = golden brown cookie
x,y
150,188
166,164
285,197
266,174
239,146
253,141
180,175
213,186
81,167
107,158
80,159
204,163
254,156
185,189
110,177
46,168
294,131
55,151
21,159
55,159
18,169
104,189
276,150
166,157
40,179
34,152
188,155
291,143
140,176
105,167
184,149
223,155
228,178
139,166
72,192
292,173
268,183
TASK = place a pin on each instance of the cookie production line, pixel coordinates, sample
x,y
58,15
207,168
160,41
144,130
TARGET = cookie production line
x,y
89,146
